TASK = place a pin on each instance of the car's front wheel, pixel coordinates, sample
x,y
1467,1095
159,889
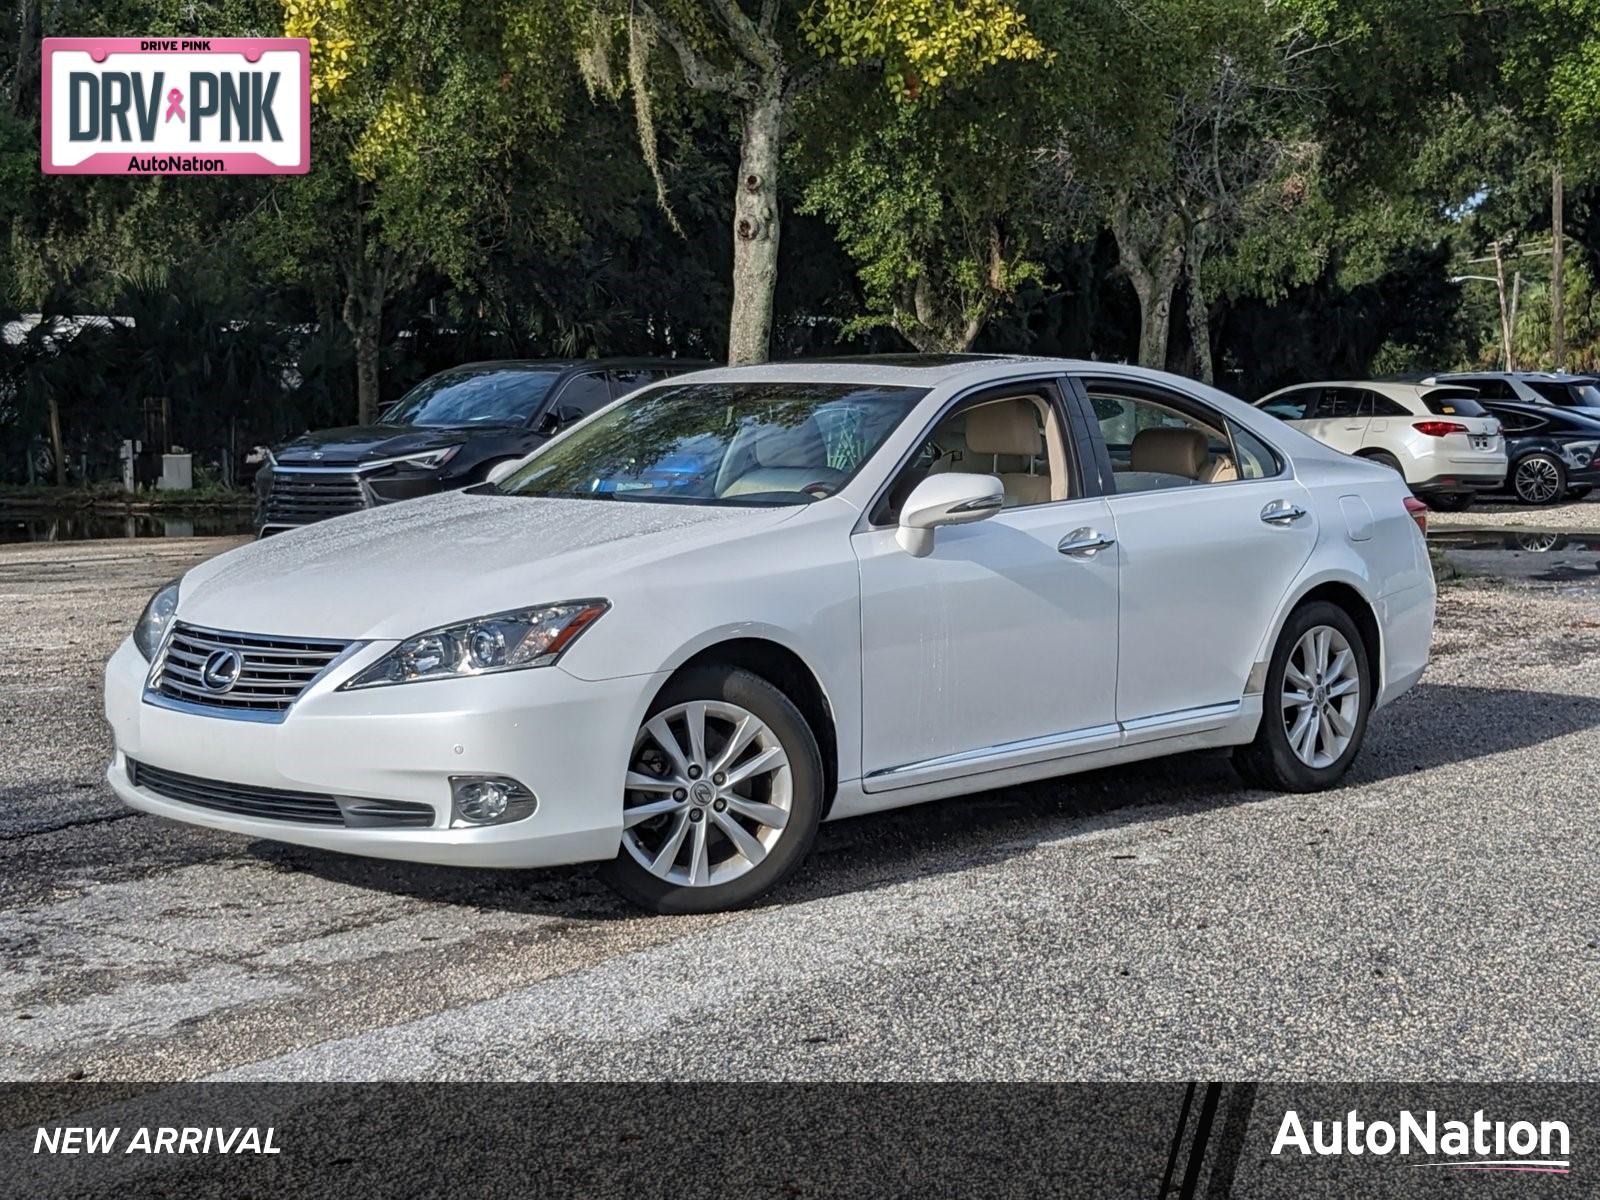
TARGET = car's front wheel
x,y
1314,711
722,797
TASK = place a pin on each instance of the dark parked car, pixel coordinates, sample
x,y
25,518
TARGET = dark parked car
x,y
448,432
1531,387
1551,452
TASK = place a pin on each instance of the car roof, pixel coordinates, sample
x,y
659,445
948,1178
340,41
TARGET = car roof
x,y
553,365
902,370
1389,387
1541,376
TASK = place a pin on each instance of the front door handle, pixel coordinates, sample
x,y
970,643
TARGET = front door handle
x,y
1084,543
1281,512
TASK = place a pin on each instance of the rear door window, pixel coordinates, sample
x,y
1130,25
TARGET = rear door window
x,y
1383,406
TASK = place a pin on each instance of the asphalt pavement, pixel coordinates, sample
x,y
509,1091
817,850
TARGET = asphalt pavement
x,y
1436,917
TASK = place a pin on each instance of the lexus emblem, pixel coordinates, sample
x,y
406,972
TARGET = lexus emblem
x,y
221,671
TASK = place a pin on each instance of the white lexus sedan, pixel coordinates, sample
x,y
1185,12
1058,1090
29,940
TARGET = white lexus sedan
x,y
736,604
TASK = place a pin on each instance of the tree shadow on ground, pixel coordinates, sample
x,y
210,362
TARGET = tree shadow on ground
x,y
1432,726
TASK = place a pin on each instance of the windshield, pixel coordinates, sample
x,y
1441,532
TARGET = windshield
x,y
495,397
1578,393
720,443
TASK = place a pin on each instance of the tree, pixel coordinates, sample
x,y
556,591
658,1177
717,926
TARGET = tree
x,y
422,104
759,59
936,202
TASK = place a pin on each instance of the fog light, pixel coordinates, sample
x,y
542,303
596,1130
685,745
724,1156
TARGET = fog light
x,y
489,800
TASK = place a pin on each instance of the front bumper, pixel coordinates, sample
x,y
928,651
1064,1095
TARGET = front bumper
x,y
567,740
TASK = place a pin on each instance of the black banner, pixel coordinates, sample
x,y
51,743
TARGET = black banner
x,y
1155,1141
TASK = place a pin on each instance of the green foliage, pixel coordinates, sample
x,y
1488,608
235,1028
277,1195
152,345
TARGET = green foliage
x,y
922,44
936,204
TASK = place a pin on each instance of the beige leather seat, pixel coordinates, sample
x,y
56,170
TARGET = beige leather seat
x,y
788,460
1008,428
1170,451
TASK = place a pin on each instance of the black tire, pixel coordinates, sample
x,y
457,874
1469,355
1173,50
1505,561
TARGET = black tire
x,y
1451,501
1384,459
1270,761
1579,492
1539,478
734,686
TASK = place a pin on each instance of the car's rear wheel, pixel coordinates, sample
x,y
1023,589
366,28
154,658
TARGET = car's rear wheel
x,y
722,797
1539,478
1319,692
1384,459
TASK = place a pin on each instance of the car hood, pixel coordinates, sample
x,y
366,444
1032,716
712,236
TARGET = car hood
x,y
393,571
357,444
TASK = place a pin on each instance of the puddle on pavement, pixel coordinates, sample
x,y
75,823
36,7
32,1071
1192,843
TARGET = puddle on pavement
x,y
1570,561
78,527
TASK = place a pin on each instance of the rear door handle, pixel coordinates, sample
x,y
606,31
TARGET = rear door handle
x,y
1084,543
1281,512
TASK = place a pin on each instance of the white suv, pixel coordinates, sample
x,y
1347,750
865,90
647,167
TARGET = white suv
x,y
1440,439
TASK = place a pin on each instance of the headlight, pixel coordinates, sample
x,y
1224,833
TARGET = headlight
x,y
508,641
1580,454
155,618
428,460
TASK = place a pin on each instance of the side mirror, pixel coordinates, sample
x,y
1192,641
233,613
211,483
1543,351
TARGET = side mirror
x,y
501,469
949,499
558,418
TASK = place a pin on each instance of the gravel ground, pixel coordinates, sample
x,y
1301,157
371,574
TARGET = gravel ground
x,y
1435,918
1500,513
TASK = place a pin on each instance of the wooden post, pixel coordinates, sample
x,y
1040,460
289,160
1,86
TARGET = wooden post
x,y
1505,315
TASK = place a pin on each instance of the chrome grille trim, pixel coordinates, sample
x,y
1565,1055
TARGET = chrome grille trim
x,y
278,804
273,674
300,496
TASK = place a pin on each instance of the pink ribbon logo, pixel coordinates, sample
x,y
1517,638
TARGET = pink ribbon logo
x,y
175,106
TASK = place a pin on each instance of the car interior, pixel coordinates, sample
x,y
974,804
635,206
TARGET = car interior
x,y
1154,447
1018,439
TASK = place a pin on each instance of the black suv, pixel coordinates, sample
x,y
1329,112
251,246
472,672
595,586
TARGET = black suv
x,y
447,432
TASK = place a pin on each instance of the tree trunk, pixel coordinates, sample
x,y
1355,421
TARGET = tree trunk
x,y
25,82
1199,309
367,334
755,228
56,448
1154,275
1558,305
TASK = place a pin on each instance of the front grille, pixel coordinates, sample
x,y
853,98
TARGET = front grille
x,y
271,675
301,497
306,808
275,804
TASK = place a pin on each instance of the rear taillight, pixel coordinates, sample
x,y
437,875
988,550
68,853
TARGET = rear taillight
x,y
1438,428
1418,512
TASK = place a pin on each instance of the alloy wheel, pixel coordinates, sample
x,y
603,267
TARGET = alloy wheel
x,y
708,794
1537,480
1321,696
